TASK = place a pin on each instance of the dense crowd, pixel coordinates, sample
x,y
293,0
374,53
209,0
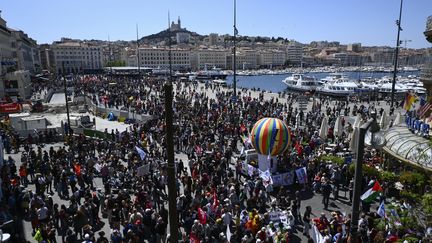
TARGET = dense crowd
x,y
216,202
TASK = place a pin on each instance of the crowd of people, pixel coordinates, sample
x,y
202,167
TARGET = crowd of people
x,y
216,202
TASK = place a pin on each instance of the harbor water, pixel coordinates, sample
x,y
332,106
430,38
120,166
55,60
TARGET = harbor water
x,y
274,83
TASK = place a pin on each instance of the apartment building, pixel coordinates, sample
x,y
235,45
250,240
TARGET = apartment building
x,y
154,57
74,56
202,58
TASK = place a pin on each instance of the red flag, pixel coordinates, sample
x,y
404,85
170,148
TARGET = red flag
x,y
202,216
77,169
242,128
193,238
215,201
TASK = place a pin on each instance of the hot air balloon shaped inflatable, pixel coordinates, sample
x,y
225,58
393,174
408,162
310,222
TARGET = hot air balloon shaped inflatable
x,y
270,136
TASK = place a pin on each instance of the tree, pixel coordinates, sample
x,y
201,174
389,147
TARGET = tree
x,y
116,63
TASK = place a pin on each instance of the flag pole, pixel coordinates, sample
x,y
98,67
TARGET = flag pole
x,y
398,23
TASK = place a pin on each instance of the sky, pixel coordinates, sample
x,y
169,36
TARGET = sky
x,y
370,22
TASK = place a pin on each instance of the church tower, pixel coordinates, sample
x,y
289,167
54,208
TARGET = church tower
x,y
179,23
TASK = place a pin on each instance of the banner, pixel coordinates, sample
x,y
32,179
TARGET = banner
x,y
10,108
316,235
275,216
266,177
302,175
284,179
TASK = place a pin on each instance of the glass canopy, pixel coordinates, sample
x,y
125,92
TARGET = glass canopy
x,y
409,147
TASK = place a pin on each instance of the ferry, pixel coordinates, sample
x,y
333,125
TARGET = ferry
x,y
303,83
339,85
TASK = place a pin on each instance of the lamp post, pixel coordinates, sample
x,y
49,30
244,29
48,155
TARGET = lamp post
x,y
375,141
67,102
171,180
234,56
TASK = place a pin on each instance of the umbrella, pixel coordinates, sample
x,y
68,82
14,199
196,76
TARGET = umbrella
x,y
357,120
324,128
398,119
383,120
338,129
354,143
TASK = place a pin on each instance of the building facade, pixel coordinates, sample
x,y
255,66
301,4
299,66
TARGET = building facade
x,y
71,56
159,58
208,58
294,54
426,73
26,52
182,37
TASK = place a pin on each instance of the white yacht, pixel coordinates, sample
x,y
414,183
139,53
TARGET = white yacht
x,y
385,87
339,85
301,82
332,77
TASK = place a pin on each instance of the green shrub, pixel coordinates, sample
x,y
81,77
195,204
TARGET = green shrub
x,y
389,177
410,196
334,159
367,170
414,181
379,224
427,203
409,239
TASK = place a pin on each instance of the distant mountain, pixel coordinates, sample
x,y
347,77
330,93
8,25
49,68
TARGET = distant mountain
x,y
165,34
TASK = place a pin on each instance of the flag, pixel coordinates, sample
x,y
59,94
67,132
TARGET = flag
x,y
423,110
242,128
381,210
409,101
77,169
193,238
372,193
215,201
141,152
202,216
228,233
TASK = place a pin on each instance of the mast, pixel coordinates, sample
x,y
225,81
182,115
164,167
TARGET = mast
x,y
398,23
138,52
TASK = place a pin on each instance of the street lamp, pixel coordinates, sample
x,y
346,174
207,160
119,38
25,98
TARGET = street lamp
x,y
369,134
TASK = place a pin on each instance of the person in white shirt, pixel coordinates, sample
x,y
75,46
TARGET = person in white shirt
x,y
42,213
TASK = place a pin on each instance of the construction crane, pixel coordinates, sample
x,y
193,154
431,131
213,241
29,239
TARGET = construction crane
x,y
405,42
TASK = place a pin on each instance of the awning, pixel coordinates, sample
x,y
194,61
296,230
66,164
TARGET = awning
x,y
408,147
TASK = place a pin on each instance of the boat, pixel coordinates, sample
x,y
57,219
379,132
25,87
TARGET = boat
x,y
214,73
385,87
220,82
301,82
340,86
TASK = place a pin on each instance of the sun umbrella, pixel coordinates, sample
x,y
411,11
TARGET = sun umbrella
x,y
324,128
338,128
357,120
383,121
398,119
353,143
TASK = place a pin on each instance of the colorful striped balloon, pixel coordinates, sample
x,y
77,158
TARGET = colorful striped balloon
x,y
270,136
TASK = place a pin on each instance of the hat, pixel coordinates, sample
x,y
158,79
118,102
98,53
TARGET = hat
x,y
87,236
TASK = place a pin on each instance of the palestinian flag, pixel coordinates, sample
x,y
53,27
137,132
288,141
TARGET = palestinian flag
x,y
372,193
